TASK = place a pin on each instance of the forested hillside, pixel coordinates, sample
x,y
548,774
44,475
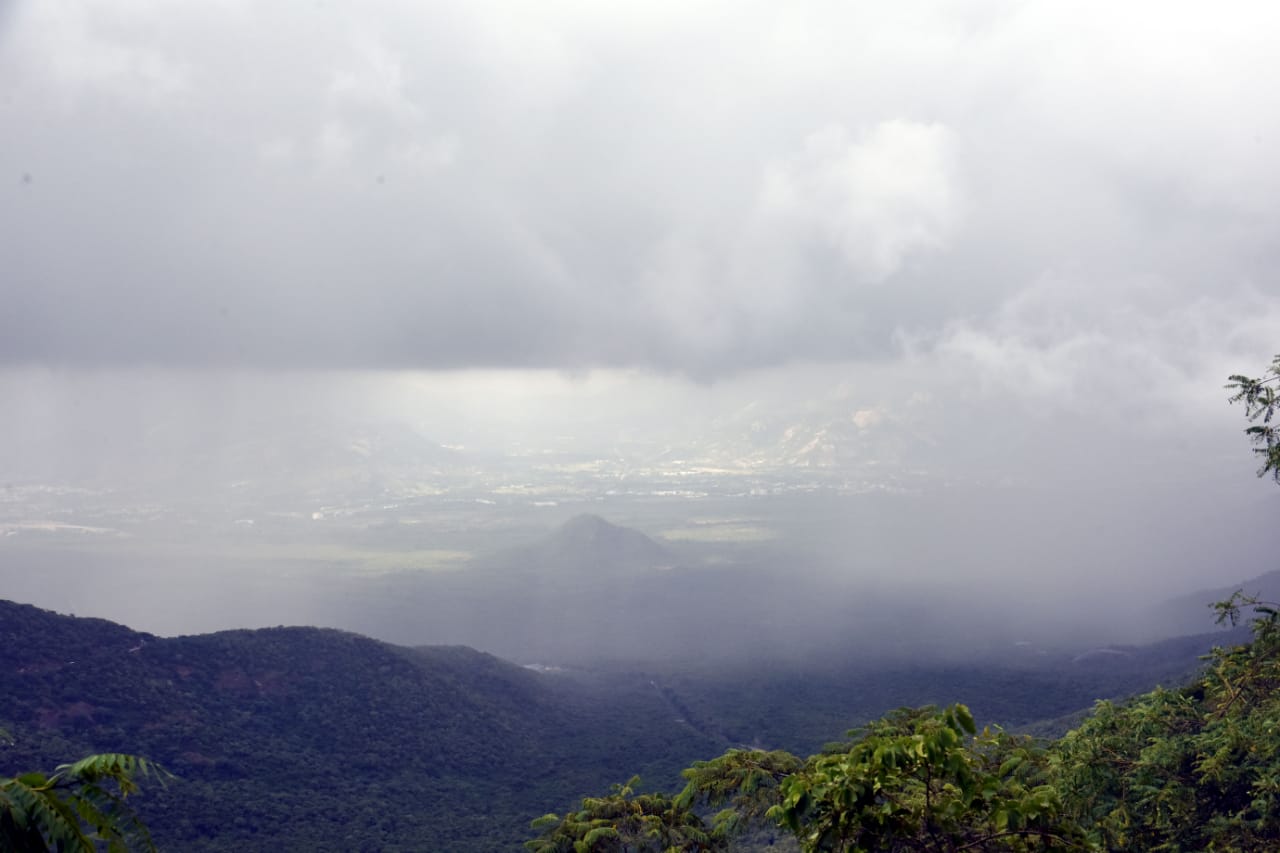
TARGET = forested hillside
x,y
317,739
323,740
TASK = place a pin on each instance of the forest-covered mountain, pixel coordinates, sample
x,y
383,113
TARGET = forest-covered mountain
x,y
305,738
302,738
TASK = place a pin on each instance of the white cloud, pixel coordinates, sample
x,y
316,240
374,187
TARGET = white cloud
x,y
1129,349
85,49
334,144
694,187
876,200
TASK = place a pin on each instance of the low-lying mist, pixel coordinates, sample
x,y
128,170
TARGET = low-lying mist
x,y
588,591
571,520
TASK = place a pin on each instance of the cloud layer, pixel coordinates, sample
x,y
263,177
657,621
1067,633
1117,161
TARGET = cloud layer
x,y
708,188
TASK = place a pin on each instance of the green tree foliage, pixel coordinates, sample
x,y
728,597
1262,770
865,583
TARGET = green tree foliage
x,y
920,779
1260,405
80,808
1196,768
625,822
1190,769
926,780
746,780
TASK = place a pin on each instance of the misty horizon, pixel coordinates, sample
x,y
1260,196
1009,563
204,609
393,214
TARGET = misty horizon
x,y
306,306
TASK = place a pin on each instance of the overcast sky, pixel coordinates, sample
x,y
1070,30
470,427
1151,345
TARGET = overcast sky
x,y
1075,205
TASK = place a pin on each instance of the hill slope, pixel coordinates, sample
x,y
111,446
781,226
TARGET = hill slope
x,y
304,738
315,739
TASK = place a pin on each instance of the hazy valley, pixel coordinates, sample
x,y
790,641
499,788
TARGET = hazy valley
x,y
775,617
382,531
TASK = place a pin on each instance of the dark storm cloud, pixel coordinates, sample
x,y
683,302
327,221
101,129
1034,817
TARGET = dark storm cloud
x,y
659,186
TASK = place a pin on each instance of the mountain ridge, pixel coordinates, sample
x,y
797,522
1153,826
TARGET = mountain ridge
x,y
325,739
311,734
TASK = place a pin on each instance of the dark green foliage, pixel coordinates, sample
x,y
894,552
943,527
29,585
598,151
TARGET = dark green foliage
x,y
339,742
926,780
626,822
326,739
747,780
80,808
1196,768
1260,405
1190,769
915,780
800,707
